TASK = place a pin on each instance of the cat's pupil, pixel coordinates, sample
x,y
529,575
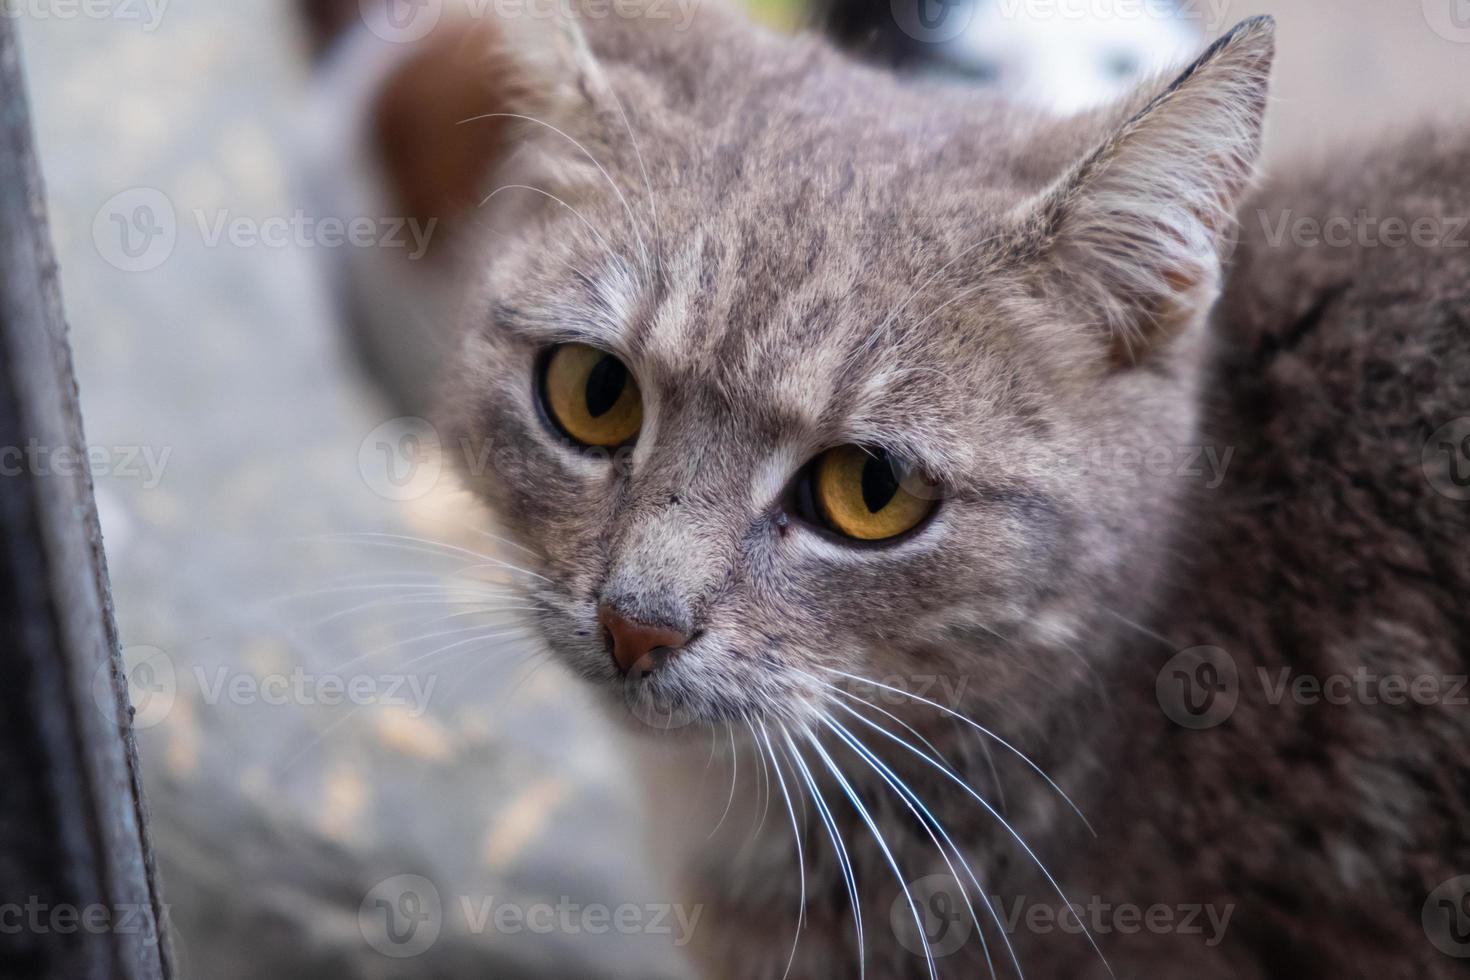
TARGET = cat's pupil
x,y
605,385
880,482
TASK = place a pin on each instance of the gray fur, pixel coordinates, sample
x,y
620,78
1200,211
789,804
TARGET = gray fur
x,y
791,253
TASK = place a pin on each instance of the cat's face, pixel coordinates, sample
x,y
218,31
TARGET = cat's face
x,y
807,403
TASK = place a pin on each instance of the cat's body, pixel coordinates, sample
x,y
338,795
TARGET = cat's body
x,y
1291,834
792,253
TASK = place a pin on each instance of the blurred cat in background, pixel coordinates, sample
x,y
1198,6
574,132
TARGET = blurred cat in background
x,y
1065,55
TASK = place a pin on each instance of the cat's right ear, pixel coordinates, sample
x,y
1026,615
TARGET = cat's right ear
x,y
1135,234
483,103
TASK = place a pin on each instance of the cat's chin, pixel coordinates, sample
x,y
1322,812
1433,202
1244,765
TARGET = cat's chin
x,y
664,709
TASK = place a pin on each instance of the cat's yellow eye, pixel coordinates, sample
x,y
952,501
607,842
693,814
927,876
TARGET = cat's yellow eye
x,y
861,493
591,396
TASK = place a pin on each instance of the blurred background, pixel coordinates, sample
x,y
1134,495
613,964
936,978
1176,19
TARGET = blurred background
x,y
335,707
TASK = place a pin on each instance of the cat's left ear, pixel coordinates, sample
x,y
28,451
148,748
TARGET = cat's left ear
x,y
1137,232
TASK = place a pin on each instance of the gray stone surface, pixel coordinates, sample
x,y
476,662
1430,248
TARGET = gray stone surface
x,y
234,453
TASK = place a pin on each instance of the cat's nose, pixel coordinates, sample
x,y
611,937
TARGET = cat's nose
x,y
630,641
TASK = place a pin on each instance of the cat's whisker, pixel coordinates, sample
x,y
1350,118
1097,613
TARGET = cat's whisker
x,y
1139,627
429,581
501,539
849,875
862,700
956,298
765,784
628,208
334,725
479,603
795,836
607,246
543,658
514,633
648,185
998,817
385,648
417,620
978,727
417,545
734,773
903,303
461,683
872,826
926,818
762,791
432,548
984,746
410,590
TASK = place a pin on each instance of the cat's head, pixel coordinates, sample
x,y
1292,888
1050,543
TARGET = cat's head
x,y
782,368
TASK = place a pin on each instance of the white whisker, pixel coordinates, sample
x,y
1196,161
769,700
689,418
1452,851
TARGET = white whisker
x,y
849,876
980,728
1003,822
926,818
800,858
872,825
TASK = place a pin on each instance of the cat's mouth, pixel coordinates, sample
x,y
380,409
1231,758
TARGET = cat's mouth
x,y
700,684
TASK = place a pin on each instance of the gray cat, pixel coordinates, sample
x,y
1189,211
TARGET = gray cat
x,y
856,414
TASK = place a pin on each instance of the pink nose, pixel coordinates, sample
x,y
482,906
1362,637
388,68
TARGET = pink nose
x,y
630,641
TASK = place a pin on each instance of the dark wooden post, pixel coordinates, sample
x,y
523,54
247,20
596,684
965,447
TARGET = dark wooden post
x,y
78,897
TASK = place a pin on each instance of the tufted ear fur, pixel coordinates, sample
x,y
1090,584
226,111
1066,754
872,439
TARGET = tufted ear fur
x,y
1135,235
